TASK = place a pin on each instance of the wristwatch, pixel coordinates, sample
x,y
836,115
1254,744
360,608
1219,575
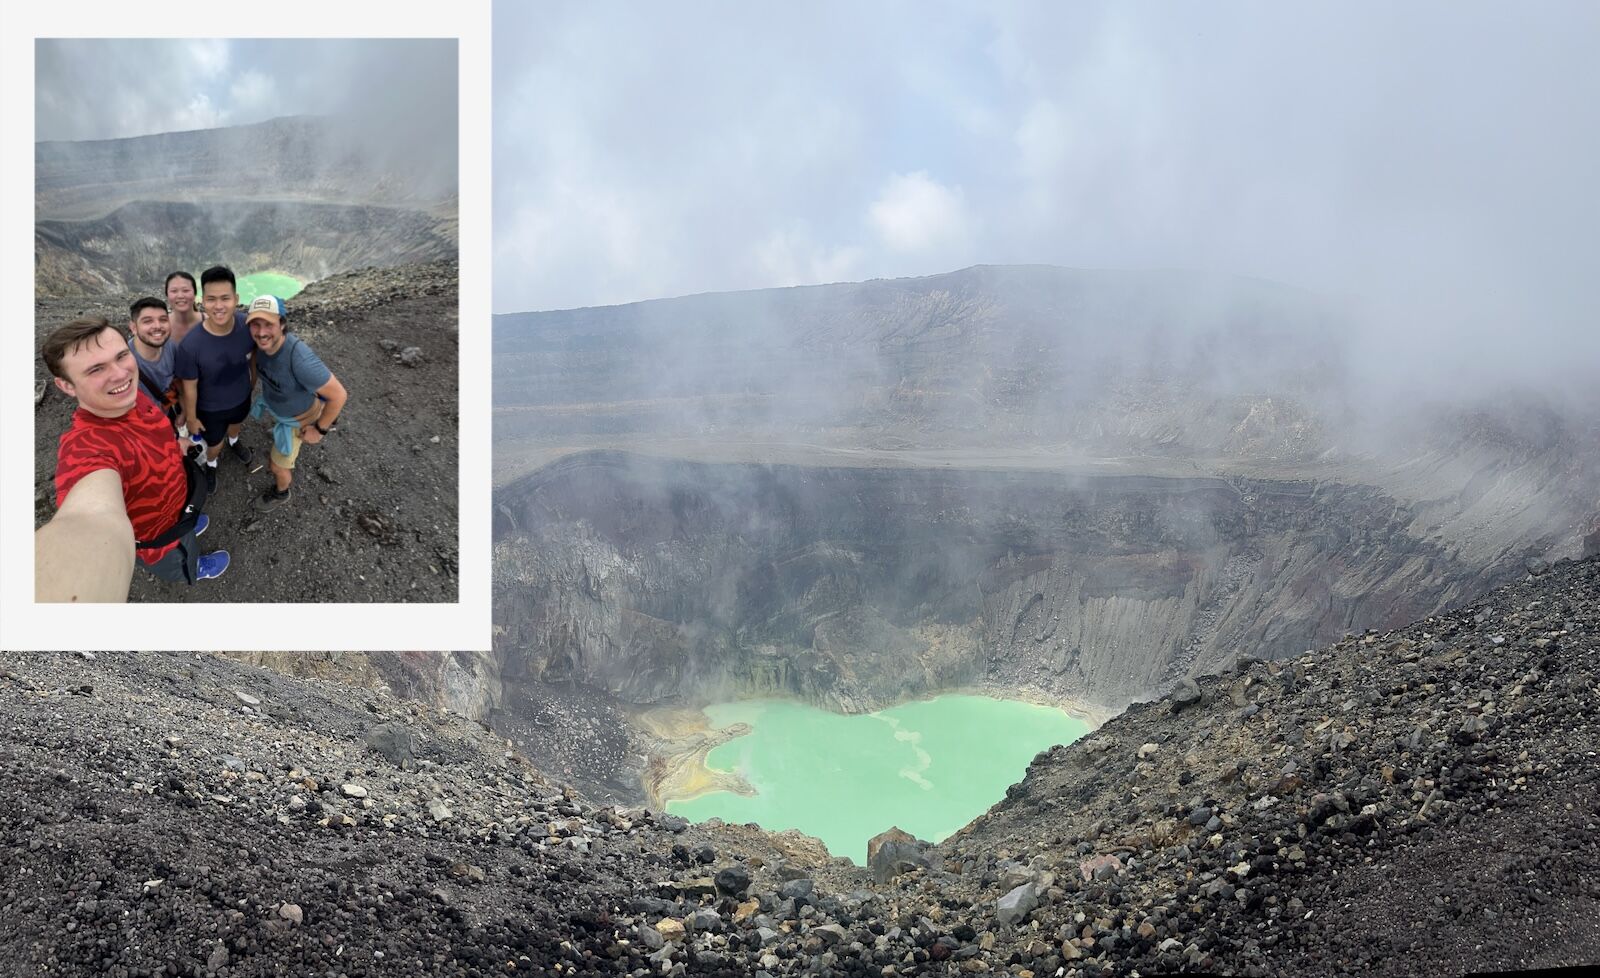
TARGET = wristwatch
x,y
320,428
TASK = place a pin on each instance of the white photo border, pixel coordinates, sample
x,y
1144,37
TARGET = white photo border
x,y
464,625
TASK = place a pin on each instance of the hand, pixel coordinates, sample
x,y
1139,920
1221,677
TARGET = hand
x,y
196,426
310,435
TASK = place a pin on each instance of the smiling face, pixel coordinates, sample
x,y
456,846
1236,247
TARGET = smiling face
x,y
180,295
220,301
101,374
267,331
153,327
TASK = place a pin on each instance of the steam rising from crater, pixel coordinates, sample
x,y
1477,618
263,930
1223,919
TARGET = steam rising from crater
x,y
393,101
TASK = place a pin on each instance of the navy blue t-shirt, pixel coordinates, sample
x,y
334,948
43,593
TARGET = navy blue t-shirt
x,y
220,365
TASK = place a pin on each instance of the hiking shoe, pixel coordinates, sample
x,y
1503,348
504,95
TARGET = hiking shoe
x,y
211,565
211,478
270,500
241,451
201,524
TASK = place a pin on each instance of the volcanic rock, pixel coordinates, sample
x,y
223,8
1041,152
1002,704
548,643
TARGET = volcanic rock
x,y
893,852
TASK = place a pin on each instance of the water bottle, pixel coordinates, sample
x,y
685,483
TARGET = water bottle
x,y
197,447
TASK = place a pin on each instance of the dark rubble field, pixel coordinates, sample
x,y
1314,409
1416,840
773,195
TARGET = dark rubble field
x,y
1419,802
374,516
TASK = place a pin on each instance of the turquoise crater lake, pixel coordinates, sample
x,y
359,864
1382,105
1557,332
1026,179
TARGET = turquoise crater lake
x,y
267,283
929,767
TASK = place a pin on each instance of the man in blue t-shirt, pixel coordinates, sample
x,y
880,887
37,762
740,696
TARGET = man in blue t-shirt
x,y
299,394
216,364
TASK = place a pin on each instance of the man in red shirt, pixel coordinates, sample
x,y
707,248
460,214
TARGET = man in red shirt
x,y
119,429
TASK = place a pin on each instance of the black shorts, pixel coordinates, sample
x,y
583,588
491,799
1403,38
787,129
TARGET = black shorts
x,y
217,422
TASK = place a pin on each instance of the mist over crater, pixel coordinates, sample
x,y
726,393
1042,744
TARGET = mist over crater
x,y
1085,486
304,196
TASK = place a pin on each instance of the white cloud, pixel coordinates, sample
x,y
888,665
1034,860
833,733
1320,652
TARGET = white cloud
x,y
792,257
1042,138
1381,152
916,213
253,94
198,114
209,58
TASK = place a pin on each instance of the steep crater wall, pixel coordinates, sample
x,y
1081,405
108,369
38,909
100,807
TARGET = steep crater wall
x,y
132,249
662,580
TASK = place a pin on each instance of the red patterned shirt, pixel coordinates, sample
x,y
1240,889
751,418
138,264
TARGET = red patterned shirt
x,y
142,447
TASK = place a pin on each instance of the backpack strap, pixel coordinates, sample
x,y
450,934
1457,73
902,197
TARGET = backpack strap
x,y
194,504
158,395
289,349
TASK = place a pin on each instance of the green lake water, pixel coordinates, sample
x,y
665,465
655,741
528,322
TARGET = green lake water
x,y
267,283
929,767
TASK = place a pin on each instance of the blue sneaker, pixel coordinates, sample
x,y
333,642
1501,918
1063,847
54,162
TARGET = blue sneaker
x,y
211,565
201,524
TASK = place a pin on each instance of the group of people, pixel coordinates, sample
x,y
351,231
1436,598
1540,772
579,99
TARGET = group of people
x,y
155,409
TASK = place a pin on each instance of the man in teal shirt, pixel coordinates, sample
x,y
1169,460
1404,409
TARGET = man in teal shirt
x,y
299,394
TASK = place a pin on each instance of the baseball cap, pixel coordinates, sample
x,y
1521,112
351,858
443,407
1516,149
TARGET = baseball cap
x,y
265,305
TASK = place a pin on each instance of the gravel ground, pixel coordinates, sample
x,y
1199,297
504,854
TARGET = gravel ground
x,y
1421,802
374,514
1417,802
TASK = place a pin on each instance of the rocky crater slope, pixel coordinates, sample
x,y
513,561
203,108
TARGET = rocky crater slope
x,y
308,197
1084,361
374,514
1040,367
856,587
1082,483
136,246
1414,802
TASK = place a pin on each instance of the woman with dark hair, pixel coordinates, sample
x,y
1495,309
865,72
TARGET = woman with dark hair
x,y
181,291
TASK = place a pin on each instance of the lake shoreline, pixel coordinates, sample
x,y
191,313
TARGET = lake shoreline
x,y
936,763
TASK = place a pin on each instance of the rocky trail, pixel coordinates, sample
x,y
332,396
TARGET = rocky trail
x,y
374,514
1417,802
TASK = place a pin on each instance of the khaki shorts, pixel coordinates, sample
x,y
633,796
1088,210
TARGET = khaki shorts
x,y
286,461
311,416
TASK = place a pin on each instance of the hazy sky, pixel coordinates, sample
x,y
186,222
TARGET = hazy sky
x,y
1433,159
108,89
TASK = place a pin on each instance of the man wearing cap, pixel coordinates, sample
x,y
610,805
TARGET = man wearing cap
x,y
216,363
299,394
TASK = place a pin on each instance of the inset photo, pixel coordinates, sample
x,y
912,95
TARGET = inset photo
x,y
246,324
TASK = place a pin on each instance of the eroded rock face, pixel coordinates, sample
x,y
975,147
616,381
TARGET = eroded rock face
x,y
856,587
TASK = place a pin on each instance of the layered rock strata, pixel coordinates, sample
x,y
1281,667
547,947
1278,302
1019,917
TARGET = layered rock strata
x,y
855,588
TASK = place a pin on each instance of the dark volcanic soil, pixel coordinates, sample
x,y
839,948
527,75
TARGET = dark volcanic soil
x,y
1421,802
188,815
374,513
1425,801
